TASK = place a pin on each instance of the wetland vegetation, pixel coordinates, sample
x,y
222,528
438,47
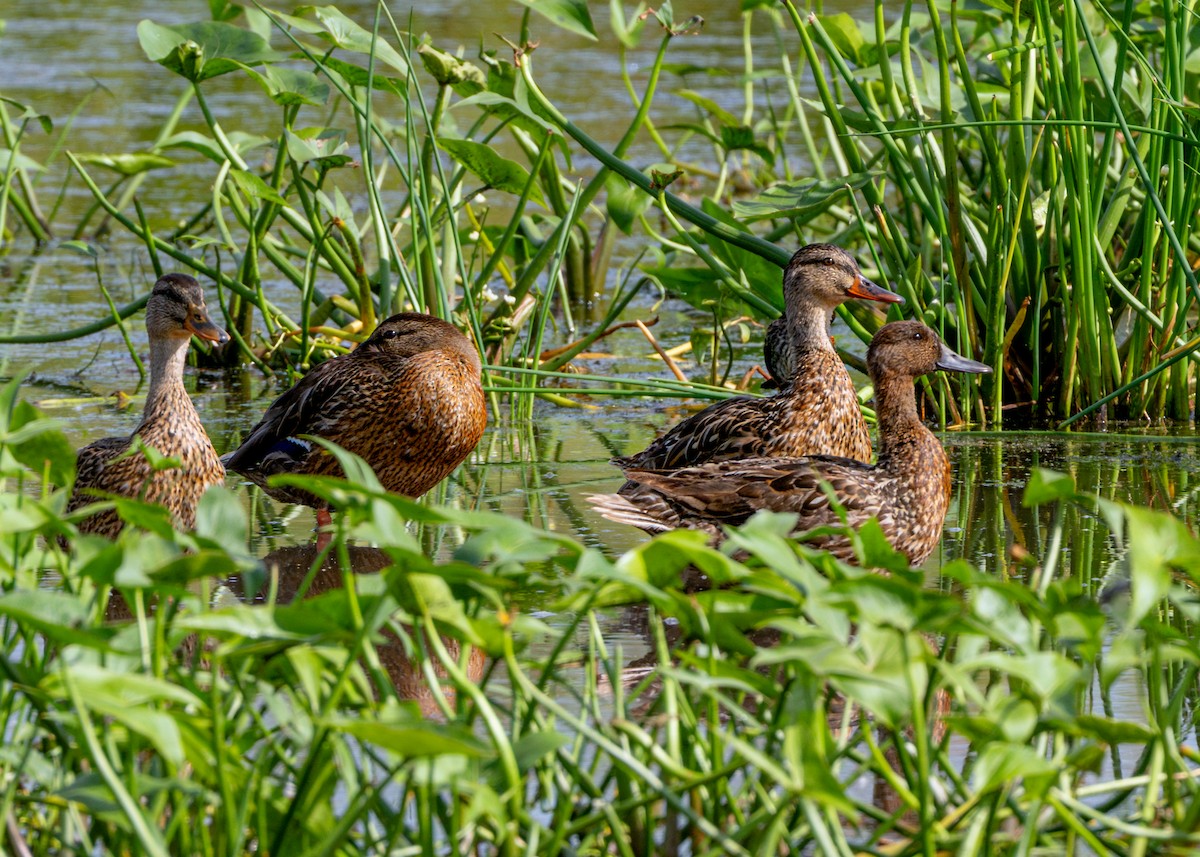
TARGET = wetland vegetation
x,y
1026,177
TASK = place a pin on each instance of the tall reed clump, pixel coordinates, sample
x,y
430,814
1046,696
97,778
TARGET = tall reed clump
x,y
168,693
1033,177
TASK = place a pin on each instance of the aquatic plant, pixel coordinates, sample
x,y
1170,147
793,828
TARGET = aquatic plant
x,y
170,693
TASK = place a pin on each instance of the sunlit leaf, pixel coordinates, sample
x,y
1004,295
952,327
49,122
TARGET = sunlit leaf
x,y
801,199
288,86
415,739
624,202
128,164
203,50
571,15
495,171
334,27
1047,486
255,188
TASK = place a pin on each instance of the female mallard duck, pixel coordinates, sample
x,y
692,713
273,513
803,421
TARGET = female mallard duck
x,y
908,489
408,400
816,412
169,423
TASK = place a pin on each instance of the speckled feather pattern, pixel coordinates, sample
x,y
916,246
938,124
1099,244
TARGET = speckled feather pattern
x,y
413,417
179,435
170,424
907,490
817,414
816,411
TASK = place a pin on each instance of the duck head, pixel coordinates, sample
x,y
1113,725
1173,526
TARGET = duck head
x,y
911,349
409,333
828,276
176,309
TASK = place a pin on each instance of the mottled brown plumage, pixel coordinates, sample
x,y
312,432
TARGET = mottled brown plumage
x,y
815,413
169,423
908,489
408,400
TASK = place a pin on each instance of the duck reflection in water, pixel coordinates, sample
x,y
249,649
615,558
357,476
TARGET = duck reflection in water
x,y
292,566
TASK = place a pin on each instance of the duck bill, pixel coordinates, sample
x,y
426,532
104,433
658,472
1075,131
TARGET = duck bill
x,y
205,329
952,362
865,290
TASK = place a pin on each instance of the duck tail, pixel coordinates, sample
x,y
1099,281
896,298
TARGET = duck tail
x,y
621,510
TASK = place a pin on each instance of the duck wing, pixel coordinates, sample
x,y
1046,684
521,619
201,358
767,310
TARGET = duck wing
x,y
312,406
727,429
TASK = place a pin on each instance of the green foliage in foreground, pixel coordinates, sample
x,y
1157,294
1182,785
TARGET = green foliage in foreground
x,y
168,693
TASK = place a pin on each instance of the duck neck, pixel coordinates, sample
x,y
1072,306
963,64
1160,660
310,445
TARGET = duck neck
x,y
809,326
902,435
167,357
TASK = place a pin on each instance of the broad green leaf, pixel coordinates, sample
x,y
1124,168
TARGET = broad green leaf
x,y
414,739
204,50
239,141
532,747
571,15
1047,486
495,171
255,188
288,86
846,34
800,199
39,444
999,765
127,164
337,29
709,106
21,162
325,146
624,202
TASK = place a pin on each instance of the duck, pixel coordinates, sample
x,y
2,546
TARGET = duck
x,y
816,411
907,489
408,400
175,312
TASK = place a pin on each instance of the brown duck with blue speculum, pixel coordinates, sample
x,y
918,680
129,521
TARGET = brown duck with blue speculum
x,y
408,400
816,412
907,489
174,313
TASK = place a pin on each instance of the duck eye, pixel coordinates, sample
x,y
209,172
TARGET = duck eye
x,y
391,333
918,335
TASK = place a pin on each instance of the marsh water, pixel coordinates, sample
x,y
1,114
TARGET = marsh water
x,y
540,470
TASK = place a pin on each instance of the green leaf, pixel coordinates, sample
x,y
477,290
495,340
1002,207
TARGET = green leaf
x,y
22,162
38,444
709,105
495,171
624,201
204,50
801,199
415,738
845,34
239,141
287,86
334,27
127,164
254,187
571,15
325,146
1047,486
532,747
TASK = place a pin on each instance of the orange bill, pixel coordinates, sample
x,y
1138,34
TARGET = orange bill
x,y
865,290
